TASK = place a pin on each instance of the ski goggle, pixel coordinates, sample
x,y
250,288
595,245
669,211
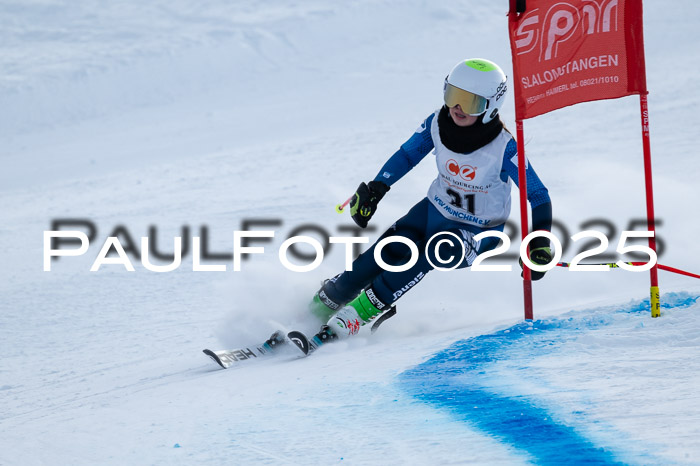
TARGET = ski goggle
x,y
470,103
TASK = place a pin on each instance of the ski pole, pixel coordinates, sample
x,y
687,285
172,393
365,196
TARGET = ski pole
x,y
614,265
339,208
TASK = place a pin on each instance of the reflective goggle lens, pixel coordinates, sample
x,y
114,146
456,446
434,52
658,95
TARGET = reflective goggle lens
x,y
470,103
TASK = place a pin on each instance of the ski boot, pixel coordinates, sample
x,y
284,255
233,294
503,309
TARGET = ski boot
x,y
322,306
358,312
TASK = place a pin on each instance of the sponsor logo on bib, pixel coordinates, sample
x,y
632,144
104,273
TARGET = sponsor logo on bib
x,y
466,172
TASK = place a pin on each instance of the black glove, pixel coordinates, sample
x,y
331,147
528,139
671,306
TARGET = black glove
x,y
364,204
539,256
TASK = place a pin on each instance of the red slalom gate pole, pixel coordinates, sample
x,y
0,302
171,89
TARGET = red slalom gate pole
x,y
646,144
524,227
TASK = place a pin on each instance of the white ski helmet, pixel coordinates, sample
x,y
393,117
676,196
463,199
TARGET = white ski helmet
x,y
478,86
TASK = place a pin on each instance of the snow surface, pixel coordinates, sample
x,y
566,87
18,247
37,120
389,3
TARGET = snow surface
x,y
192,113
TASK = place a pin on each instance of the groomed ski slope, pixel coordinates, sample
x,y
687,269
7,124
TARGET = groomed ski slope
x,y
184,114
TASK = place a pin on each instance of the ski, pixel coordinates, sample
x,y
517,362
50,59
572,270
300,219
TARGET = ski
x,y
300,341
308,345
295,339
227,358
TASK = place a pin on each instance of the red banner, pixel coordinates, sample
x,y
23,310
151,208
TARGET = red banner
x,y
566,52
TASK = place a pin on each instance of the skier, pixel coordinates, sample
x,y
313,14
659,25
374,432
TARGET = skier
x,y
476,159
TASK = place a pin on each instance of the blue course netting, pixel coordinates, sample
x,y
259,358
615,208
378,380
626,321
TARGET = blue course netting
x,y
456,378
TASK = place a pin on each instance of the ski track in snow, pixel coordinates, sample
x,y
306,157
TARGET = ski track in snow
x,y
183,114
